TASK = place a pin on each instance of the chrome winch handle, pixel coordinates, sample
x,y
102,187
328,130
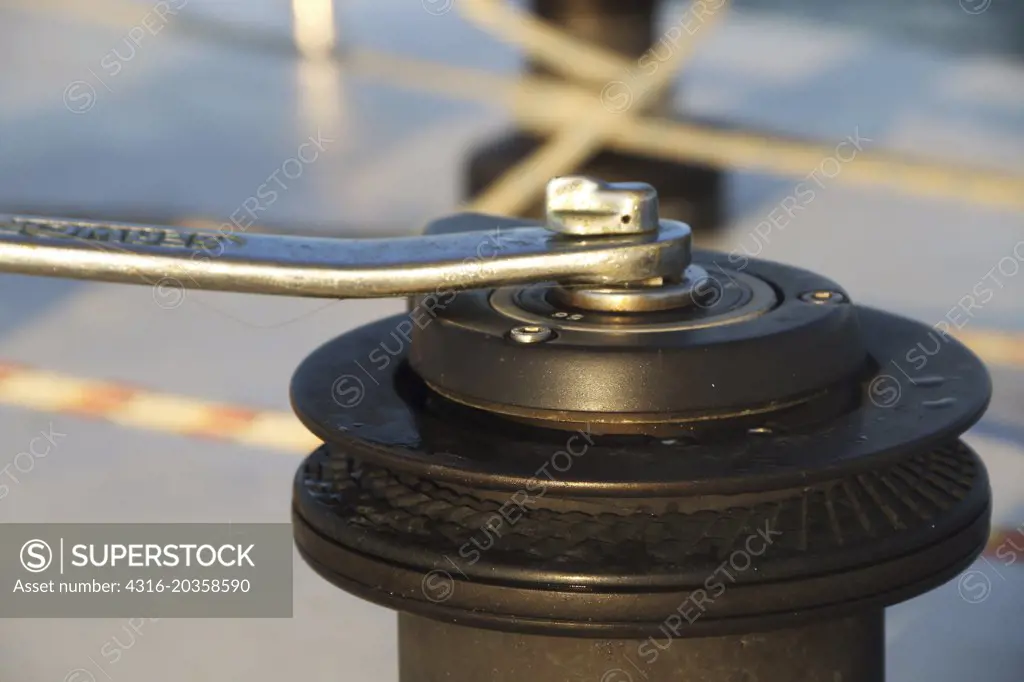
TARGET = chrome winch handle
x,y
596,233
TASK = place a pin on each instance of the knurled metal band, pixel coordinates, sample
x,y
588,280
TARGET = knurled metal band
x,y
902,505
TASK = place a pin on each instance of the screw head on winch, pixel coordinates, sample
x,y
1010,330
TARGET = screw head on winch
x,y
577,460
530,334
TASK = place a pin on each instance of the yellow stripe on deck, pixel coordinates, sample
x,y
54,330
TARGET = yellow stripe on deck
x,y
139,408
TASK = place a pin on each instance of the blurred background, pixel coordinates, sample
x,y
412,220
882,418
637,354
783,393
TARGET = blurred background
x,y
905,119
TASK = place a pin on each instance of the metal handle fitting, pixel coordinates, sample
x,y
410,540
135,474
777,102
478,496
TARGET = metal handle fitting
x,y
597,233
